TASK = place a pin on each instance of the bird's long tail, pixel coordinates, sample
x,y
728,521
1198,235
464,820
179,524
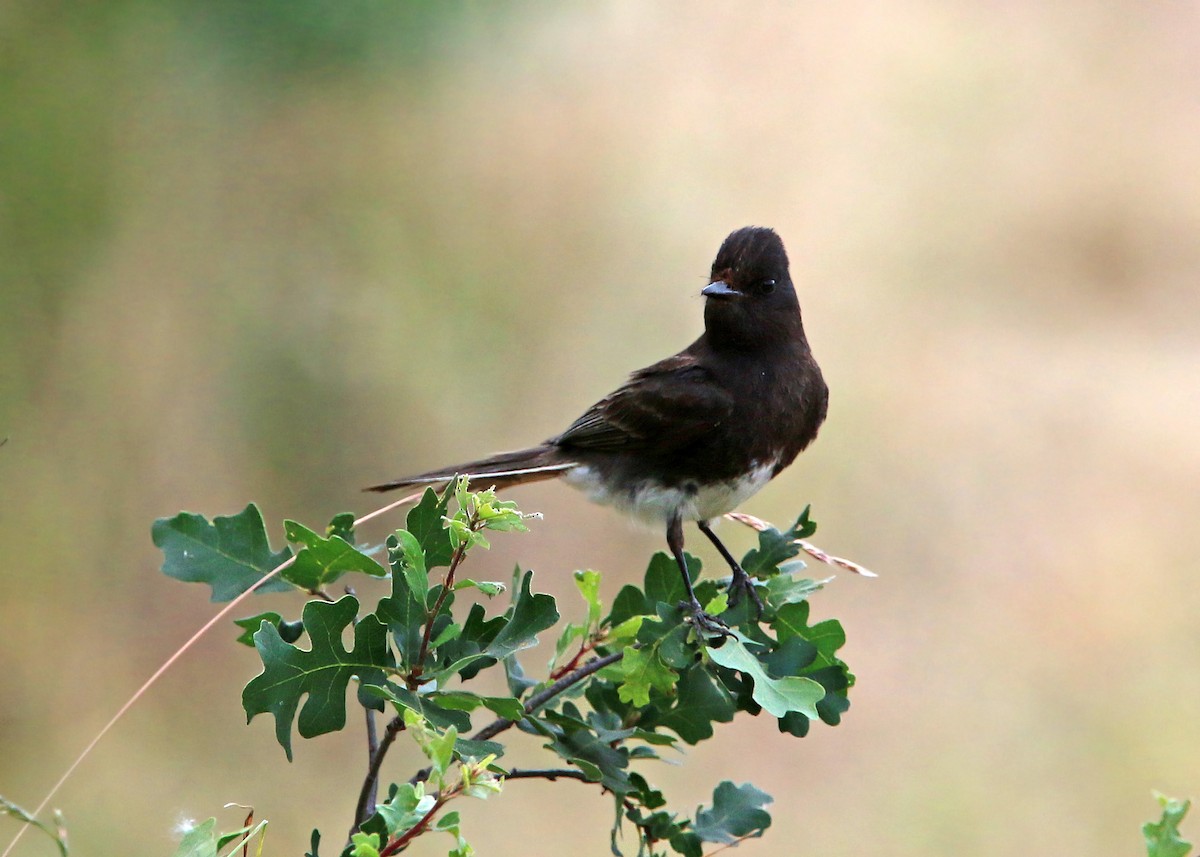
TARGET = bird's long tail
x,y
502,470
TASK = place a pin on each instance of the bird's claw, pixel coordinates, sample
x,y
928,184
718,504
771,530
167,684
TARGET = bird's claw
x,y
743,583
710,628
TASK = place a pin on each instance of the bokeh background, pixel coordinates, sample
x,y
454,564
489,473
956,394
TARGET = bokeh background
x,y
275,251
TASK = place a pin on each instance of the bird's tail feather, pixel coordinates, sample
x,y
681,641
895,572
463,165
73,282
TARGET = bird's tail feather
x,y
499,471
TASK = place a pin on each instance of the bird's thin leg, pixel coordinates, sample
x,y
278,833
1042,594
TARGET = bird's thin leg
x,y
675,543
741,581
705,622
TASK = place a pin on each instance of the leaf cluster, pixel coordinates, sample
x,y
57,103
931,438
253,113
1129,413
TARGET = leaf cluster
x,y
624,685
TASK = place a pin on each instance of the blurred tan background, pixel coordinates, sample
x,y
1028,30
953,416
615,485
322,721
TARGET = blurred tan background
x,y
280,250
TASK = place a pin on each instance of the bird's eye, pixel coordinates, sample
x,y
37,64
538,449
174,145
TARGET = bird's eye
x,y
765,287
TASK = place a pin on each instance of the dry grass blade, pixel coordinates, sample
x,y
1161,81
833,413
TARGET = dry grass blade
x,y
812,550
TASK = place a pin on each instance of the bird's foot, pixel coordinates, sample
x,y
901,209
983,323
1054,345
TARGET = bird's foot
x,y
743,584
708,627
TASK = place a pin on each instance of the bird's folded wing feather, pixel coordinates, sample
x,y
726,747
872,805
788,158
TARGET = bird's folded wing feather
x,y
663,406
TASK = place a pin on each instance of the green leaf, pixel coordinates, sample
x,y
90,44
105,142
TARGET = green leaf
x,y
625,633
200,841
405,809
664,582
776,696
462,536
700,702
426,521
1162,837
791,657
515,678
590,770
322,673
792,622
718,605
629,602
813,658
231,554
436,744
490,588
445,635
655,738
529,615
425,705
828,636
775,547
451,824
652,827
341,526
499,515
441,750
505,706
653,630
324,560
365,844
675,650
465,654
836,681
575,742
465,748
643,670
404,614
571,633
687,843
241,836
794,723
737,812
461,700
786,589
289,631
408,560
588,583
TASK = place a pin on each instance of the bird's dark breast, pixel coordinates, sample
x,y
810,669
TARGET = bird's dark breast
x,y
774,423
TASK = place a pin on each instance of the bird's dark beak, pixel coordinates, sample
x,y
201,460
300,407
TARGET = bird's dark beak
x,y
722,291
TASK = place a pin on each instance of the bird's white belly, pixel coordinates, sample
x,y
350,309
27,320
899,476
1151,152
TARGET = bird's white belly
x,y
654,502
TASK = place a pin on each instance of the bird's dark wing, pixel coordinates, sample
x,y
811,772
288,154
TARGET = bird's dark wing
x,y
663,407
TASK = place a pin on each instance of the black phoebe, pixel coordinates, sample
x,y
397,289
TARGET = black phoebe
x,y
694,435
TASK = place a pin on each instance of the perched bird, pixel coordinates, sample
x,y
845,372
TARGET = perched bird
x,y
694,435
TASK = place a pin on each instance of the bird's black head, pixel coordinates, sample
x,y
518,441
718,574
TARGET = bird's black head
x,y
750,298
